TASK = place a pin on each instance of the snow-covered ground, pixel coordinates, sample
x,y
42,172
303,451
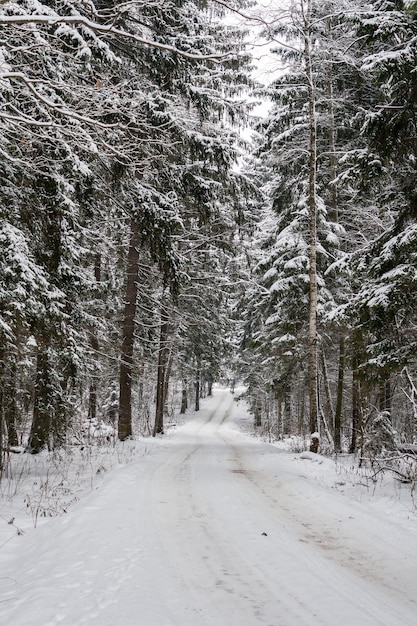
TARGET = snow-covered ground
x,y
205,526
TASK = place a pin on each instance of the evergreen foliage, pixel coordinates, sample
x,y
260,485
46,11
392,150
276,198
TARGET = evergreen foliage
x,y
109,137
140,250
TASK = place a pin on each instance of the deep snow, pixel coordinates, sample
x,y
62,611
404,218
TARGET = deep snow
x,y
209,526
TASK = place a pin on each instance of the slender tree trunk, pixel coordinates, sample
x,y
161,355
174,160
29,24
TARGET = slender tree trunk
x,y
258,410
301,408
197,389
92,400
339,397
10,404
411,422
1,434
334,202
162,370
312,333
2,354
332,134
112,408
356,410
385,395
141,390
184,399
128,334
326,385
168,376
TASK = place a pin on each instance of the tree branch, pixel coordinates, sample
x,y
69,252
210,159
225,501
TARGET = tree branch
x,y
48,20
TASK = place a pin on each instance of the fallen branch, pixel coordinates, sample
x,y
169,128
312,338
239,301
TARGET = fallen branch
x,y
405,479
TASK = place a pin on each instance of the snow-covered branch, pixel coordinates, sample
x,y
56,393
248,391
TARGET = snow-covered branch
x,y
59,109
110,30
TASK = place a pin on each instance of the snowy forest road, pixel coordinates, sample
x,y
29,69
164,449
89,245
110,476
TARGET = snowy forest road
x,y
213,528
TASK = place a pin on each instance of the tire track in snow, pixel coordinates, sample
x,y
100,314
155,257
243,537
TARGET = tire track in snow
x,y
182,543
210,514
216,572
333,536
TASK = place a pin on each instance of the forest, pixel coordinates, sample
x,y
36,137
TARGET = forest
x,y
149,248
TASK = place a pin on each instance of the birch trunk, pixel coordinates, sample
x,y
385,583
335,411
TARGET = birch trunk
x,y
312,201
334,202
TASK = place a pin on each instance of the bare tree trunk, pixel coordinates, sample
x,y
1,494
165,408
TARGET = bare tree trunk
x,y
385,395
301,409
356,411
162,370
92,400
258,410
312,333
197,389
326,385
40,432
10,404
2,351
339,398
168,375
334,202
128,334
332,143
411,422
184,398
287,423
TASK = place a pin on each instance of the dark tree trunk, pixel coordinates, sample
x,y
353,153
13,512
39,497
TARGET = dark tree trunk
x,y
112,407
356,411
162,373
92,400
287,416
329,413
40,433
168,376
184,399
258,411
128,335
1,409
385,395
339,398
197,390
1,433
10,406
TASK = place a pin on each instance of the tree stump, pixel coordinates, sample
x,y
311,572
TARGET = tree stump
x,y
314,442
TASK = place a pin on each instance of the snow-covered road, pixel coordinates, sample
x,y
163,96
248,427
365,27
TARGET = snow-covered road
x,y
213,528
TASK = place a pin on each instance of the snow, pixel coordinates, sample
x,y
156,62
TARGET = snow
x,y
210,526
